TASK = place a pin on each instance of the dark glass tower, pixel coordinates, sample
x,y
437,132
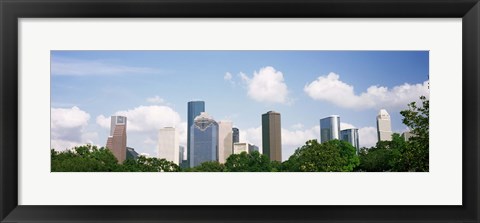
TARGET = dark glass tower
x,y
236,135
272,135
204,140
194,110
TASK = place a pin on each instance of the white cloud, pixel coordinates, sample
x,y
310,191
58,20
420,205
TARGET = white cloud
x,y
75,67
228,76
344,125
367,136
68,128
252,136
297,126
156,100
298,137
145,118
267,85
331,89
145,122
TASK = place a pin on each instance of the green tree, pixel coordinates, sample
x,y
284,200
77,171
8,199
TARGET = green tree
x,y
415,156
85,158
383,156
331,156
244,162
209,166
148,164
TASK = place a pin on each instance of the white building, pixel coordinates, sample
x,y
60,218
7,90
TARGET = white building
x,y
225,140
240,147
168,147
384,126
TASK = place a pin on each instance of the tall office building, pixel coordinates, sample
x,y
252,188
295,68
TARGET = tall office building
x,y
131,153
181,154
225,140
194,110
236,135
329,128
117,141
384,126
272,135
203,140
168,144
351,136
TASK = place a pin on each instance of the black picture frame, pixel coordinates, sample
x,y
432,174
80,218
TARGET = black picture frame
x,y
12,10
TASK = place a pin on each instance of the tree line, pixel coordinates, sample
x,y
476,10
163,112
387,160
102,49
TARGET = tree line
x,y
397,155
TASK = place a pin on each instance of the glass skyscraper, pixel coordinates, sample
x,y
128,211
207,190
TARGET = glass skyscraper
x,y
236,135
351,136
203,140
329,128
194,110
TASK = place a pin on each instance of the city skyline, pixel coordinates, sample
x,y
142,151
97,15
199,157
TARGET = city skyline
x,y
306,86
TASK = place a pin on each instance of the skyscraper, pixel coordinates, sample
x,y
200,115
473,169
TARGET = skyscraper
x,y
194,110
117,141
236,135
272,135
351,136
168,144
384,126
131,153
329,128
203,140
181,154
225,140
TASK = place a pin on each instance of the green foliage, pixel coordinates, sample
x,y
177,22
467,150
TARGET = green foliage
x,y
209,166
244,162
415,156
148,164
86,158
399,155
383,157
89,158
331,156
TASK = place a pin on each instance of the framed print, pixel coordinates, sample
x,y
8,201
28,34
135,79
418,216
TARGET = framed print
x,y
255,111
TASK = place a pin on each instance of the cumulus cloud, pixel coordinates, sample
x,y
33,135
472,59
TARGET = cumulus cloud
x,y
267,85
156,100
344,125
297,126
145,122
228,76
331,89
76,67
298,137
145,118
367,136
68,128
252,136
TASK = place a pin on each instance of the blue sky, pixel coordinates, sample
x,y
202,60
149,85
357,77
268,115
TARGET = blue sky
x,y
152,89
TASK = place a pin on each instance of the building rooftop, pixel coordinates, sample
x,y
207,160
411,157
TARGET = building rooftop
x,y
383,113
